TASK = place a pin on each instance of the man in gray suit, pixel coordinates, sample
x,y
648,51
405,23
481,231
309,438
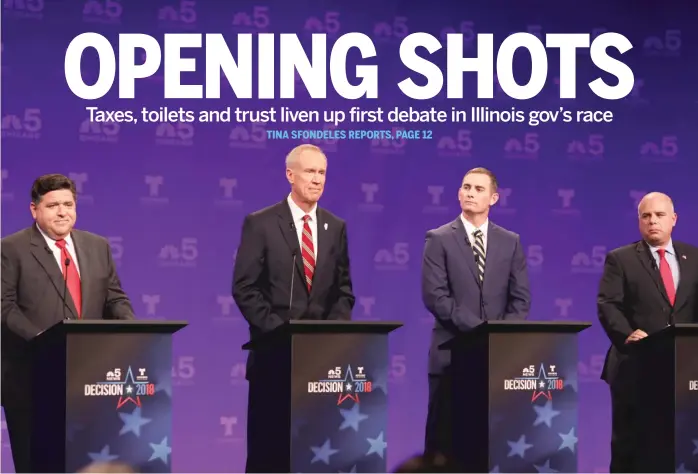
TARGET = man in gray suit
x,y
50,272
472,270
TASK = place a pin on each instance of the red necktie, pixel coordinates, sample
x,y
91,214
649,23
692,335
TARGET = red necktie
x,y
71,276
667,277
308,252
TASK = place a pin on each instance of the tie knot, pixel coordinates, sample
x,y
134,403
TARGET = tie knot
x,y
61,244
661,252
306,218
477,234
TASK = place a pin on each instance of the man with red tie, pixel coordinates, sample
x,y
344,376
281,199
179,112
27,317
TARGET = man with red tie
x,y
292,263
50,272
645,286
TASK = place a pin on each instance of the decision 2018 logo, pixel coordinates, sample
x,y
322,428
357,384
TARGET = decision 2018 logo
x,y
544,383
123,384
348,385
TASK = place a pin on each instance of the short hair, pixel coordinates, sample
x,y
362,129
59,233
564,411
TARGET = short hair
x,y
485,171
51,182
294,154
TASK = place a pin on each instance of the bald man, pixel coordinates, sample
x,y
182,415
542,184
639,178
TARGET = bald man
x,y
645,286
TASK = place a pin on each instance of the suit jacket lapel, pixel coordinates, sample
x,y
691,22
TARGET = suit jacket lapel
x,y
324,243
50,265
288,230
464,243
645,255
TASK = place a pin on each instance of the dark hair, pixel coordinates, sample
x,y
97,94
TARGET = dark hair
x,y
493,178
51,182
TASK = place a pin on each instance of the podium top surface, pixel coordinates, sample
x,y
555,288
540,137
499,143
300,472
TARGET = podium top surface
x,y
499,326
310,326
113,326
673,330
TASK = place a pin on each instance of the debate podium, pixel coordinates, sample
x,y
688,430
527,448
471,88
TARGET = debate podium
x,y
102,392
515,393
667,397
318,396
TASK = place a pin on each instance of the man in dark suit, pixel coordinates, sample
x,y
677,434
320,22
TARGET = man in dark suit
x,y
472,270
645,286
41,264
292,263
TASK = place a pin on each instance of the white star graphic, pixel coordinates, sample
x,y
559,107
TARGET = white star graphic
x,y
352,418
518,448
323,453
569,440
545,414
378,445
133,422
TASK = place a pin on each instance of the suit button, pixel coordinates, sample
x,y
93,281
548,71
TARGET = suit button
x,y
665,310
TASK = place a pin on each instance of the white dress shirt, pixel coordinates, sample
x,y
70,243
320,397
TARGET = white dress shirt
x,y
470,230
70,247
298,215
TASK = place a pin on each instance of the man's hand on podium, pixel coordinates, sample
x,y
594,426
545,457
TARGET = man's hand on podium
x,y
635,336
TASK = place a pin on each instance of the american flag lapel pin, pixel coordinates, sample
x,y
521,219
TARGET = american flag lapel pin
x,y
326,229
683,256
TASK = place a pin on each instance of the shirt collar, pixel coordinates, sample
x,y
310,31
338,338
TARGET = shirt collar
x,y
298,213
469,228
52,242
669,248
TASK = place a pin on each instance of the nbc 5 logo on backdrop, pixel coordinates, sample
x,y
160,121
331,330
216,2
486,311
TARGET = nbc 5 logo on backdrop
x,y
248,136
151,303
174,134
23,9
154,186
396,258
666,150
255,22
458,145
589,369
389,146
503,205
183,254
398,368
435,205
24,126
178,14
667,44
591,149
80,179
230,431
6,195
183,371
465,28
391,31
566,208
592,262
329,24
237,374
102,11
227,188
96,132
526,149
370,204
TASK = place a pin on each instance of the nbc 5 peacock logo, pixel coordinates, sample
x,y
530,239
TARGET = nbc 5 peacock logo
x,y
126,385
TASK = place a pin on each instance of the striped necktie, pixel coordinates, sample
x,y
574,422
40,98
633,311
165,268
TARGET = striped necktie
x,y
479,251
308,253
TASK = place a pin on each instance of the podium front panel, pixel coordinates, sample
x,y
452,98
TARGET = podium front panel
x,y
118,398
686,399
515,403
339,411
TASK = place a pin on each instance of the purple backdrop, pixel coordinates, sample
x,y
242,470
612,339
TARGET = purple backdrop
x,y
171,198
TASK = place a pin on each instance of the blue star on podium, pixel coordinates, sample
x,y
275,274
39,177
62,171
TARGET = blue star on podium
x,y
518,448
378,445
352,418
323,453
133,422
569,440
103,455
545,467
160,451
545,414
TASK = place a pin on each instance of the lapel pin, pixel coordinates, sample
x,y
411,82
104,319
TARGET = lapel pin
x,y
326,229
683,256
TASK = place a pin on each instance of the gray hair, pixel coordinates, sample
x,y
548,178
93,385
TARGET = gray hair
x,y
293,155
